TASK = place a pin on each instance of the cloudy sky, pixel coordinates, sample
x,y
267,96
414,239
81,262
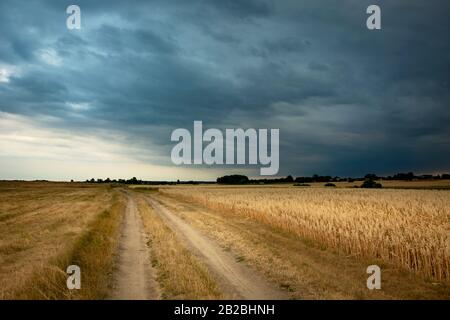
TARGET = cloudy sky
x,y
102,101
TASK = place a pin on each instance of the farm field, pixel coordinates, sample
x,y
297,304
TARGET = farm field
x,y
410,228
222,242
44,227
304,269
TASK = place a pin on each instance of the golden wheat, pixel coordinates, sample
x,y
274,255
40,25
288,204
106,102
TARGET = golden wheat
x,y
408,228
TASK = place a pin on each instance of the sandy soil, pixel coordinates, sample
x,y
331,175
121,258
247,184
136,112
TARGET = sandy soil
x,y
237,280
134,278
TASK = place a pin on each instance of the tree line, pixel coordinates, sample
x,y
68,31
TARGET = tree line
x,y
242,179
410,176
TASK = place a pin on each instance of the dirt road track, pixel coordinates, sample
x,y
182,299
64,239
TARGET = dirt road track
x,y
237,280
134,278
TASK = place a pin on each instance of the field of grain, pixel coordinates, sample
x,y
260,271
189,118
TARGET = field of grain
x,y
44,228
409,229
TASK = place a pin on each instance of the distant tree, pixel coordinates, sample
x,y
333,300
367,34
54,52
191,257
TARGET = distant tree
x,y
404,176
371,184
99,180
233,179
108,180
289,178
329,184
92,180
132,181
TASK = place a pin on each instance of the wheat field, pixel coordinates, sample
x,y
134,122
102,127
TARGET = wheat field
x,y
408,228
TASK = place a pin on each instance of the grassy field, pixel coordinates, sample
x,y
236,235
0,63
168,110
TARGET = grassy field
x,y
45,227
302,268
408,228
300,242
180,274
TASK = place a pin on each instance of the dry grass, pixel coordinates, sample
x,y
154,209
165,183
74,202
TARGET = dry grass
x,y
45,227
303,269
407,228
180,274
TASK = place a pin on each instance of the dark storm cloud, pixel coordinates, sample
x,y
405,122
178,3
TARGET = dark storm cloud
x,y
347,100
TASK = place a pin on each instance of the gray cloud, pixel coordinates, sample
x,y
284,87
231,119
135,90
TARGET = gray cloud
x,y
347,100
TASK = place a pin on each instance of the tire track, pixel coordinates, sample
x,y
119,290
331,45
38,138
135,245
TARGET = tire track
x,y
237,280
134,278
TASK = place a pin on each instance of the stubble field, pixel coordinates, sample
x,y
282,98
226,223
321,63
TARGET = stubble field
x,y
45,227
408,228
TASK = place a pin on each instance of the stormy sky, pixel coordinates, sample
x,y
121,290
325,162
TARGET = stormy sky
x,y
102,101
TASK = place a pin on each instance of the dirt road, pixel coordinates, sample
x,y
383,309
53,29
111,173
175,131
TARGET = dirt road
x,y
237,280
134,278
